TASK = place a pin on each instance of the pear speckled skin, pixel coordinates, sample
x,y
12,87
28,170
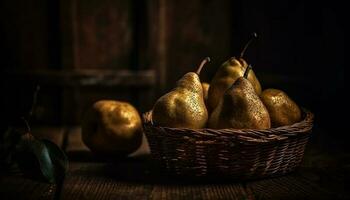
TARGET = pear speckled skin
x,y
112,128
184,106
240,108
283,110
226,75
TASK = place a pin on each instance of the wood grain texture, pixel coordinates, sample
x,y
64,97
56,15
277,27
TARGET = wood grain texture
x,y
25,34
102,33
19,187
288,187
66,94
200,191
100,181
85,78
132,180
194,30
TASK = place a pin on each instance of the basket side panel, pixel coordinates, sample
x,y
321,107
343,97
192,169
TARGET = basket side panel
x,y
236,154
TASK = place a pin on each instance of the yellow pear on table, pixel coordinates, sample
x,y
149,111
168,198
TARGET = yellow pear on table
x,y
227,74
240,108
112,127
283,110
184,106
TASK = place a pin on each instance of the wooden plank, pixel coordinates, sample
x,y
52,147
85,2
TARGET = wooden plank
x,y
83,78
292,186
199,191
132,180
101,181
80,89
328,169
330,181
102,33
19,187
66,10
25,34
202,28
156,11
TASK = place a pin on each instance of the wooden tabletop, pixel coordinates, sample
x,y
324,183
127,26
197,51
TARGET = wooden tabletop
x,y
322,176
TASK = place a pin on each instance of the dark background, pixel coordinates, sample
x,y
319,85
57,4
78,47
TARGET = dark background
x,y
80,51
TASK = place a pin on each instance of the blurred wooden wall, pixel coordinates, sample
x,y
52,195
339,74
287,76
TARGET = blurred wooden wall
x,y
84,50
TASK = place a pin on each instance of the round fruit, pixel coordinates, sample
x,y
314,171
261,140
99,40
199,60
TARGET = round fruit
x,y
112,128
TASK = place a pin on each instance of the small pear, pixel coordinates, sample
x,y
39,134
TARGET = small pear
x,y
240,108
184,106
227,74
205,86
282,109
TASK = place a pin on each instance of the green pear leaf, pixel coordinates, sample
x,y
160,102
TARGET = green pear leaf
x,y
46,165
34,156
42,157
58,158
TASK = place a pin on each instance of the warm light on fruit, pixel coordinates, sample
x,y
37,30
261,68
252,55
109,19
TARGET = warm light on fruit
x,y
227,74
183,106
112,128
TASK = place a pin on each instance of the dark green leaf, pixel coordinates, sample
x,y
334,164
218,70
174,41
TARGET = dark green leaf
x,y
58,158
46,164
32,146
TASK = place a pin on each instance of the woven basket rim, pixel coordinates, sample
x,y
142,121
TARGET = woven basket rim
x,y
254,135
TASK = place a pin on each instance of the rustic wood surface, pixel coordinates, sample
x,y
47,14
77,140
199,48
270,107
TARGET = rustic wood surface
x,y
19,187
136,177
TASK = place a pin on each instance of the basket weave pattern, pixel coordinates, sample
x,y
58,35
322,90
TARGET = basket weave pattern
x,y
241,154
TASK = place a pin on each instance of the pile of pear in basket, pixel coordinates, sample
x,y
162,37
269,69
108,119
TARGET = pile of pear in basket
x,y
233,129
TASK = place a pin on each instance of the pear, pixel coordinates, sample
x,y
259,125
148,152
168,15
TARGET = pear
x,y
205,86
240,108
227,74
112,127
283,110
184,106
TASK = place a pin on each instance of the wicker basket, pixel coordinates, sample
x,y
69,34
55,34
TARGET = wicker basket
x,y
233,153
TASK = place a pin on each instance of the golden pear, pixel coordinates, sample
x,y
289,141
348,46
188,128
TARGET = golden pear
x,y
240,108
184,106
283,110
112,128
226,75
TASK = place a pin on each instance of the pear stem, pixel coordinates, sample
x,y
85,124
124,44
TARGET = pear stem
x,y
27,125
247,71
254,35
35,98
206,60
